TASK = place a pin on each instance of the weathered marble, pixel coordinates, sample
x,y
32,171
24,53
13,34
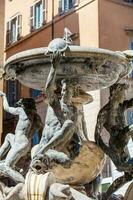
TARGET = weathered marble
x,y
40,187
17,145
91,68
65,72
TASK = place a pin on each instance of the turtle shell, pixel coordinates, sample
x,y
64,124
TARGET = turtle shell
x,y
57,44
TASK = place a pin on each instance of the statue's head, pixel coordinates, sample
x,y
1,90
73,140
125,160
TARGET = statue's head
x,y
117,92
27,103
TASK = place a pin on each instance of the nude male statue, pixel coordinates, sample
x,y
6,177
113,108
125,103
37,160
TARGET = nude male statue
x,y
17,145
61,119
59,123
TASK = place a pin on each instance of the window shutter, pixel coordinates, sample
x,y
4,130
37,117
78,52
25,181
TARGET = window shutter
x,y
8,33
19,26
44,4
31,18
75,3
60,6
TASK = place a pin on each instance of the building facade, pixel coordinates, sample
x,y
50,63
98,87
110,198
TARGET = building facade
x,y
95,23
35,23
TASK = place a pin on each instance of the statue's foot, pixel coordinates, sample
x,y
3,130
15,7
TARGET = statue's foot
x,y
59,157
67,163
60,191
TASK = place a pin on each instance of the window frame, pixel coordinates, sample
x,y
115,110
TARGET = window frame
x,y
18,29
33,17
62,9
38,23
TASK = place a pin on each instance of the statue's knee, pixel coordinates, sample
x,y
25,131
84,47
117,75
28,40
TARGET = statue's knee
x,y
9,136
34,151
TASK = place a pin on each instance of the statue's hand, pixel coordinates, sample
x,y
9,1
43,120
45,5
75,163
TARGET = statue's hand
x,y
2,94
56,57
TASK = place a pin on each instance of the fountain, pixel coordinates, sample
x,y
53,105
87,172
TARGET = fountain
x,y
64,160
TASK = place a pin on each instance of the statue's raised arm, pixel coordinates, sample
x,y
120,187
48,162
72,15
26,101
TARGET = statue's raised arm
x,y
17,145
7,108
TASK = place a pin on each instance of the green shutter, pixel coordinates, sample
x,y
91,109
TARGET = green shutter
x,y
8,33
45,5
31,18
60,6
19,26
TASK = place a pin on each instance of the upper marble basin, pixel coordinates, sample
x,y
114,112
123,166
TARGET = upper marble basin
x,y
91,68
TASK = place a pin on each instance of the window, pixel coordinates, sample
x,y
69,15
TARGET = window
x,y
13,94
35,93
37,15
14,29
66,5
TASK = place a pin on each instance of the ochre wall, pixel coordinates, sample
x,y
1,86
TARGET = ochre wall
x,y
82,20
114,18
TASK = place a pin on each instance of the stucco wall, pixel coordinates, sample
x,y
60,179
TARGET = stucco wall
x,y
114,18
82,20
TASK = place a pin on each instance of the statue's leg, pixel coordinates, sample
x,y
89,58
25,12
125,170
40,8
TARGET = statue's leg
x,y
34,150
57,156
15,192
18,150
60,137
9,172
14,175
9,139
48,157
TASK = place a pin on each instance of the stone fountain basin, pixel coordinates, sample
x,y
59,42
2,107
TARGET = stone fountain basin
x,y
91,68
